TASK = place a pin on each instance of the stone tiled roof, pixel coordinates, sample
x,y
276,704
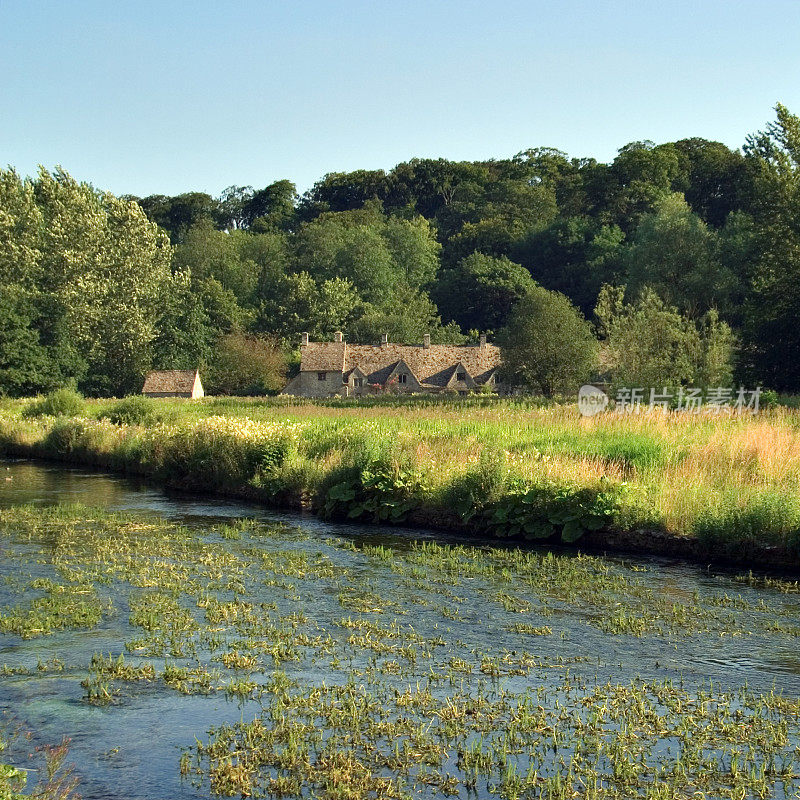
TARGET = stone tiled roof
x,y
323,356
169,380
432,365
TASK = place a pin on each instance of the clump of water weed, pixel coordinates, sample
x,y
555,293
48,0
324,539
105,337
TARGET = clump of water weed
x,y
63,606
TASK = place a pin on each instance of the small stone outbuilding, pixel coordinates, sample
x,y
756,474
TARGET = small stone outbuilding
x,y
173,383
335,368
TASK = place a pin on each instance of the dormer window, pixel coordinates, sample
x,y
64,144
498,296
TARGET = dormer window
x,y
402,378
461,376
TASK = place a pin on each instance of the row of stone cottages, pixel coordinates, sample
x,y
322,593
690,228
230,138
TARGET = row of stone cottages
x,y
328,369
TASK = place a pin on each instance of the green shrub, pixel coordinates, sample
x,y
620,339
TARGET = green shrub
x,y
376,482
91,440
769,398
65,437
62,437
58,403
379,493
136,409
544,510
479,487
220,452
294,479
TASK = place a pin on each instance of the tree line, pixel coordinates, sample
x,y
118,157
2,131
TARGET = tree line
x,y
684,258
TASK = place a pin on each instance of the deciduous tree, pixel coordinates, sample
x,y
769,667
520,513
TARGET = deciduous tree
x,y
548,346
246,365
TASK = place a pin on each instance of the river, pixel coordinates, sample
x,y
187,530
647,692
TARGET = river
x,y
131,747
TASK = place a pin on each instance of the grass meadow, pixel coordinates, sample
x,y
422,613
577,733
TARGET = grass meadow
x,y
505,466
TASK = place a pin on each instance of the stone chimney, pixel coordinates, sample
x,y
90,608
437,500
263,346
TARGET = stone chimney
x,y
337,337
384,340
303,339
426,341
483,341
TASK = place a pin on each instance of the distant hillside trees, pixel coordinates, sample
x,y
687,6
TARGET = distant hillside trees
x,y
97,289
481,290
675,253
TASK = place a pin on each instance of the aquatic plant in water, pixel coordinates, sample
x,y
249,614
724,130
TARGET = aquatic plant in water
x,y
413,669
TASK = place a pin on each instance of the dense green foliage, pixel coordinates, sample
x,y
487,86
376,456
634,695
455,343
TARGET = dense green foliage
x,y
86,271
547,346
98,289
650,344
136,409
246,365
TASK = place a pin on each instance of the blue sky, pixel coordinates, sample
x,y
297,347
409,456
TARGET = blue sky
x,y
165,97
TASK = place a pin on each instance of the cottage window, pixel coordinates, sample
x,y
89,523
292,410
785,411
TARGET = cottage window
x,y
401,378
358,382
322,376
461,376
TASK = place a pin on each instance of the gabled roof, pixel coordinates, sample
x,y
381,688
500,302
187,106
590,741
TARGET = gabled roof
x,y
427,364
454,375
170,380
380,375
402,368
485,376
354,372
443,377
447,377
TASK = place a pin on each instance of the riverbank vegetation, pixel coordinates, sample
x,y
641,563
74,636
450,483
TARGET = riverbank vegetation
x,y
726,482
399,669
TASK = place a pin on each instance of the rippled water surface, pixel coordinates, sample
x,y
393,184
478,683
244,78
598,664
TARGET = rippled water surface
x,y
131,747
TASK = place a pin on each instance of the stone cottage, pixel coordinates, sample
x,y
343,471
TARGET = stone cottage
x,y
173,383
351,370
